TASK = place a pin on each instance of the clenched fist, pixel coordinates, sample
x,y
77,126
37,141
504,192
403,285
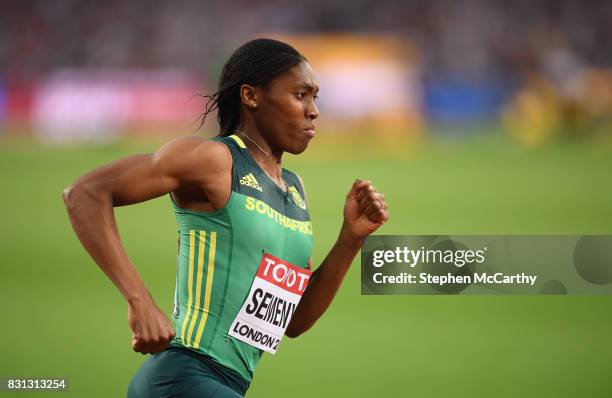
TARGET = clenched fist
x,y
365,209
151,328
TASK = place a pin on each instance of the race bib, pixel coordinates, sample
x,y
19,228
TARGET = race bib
x,y
267,311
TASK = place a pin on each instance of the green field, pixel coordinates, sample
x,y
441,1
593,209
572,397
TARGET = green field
x,y
62,317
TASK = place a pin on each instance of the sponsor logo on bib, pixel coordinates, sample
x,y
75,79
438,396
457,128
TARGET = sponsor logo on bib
x,y
270,304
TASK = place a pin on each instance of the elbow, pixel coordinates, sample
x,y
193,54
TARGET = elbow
x,y
294,332
68,195
75,194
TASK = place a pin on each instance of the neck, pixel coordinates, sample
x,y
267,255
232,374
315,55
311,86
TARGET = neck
x,y
257,142
261,151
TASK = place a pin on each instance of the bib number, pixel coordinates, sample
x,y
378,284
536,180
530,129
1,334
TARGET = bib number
x,y
270,304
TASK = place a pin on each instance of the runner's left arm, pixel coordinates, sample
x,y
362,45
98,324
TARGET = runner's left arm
x,y
365,210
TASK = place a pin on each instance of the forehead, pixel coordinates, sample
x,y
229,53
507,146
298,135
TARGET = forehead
x,y
298,76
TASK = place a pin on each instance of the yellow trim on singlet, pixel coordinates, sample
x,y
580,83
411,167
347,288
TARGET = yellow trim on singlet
x,y
209,281
189,281
197,305
238,140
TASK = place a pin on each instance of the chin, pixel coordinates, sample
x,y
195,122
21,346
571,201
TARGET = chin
x,y
296,145
298,148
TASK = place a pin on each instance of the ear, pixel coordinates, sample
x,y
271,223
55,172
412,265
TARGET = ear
x,y
249,96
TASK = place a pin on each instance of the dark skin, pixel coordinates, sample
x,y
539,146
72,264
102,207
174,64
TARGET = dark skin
x,y
198,174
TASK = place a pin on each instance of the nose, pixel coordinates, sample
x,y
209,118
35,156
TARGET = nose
x,y
312,112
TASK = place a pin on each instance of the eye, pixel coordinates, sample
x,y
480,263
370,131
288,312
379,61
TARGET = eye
x,y
300,95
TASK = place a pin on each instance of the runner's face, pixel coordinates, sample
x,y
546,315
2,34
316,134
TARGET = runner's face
x,y
287,111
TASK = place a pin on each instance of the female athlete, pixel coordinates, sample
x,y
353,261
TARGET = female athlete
x,y
245,237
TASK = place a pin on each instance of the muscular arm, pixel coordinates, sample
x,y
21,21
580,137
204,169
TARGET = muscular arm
x,y
133,179
362,216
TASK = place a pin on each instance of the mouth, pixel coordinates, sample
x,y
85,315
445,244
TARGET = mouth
x,y
309,132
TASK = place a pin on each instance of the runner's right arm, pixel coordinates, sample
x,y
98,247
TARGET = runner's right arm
x,y
186,161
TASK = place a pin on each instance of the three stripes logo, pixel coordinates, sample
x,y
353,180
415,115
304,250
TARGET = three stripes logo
x,y
199,286
250,181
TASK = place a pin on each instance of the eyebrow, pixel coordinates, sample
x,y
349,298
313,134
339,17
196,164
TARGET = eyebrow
x,y
310,87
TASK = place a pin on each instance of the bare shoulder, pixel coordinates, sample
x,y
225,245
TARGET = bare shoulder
x,y
193,157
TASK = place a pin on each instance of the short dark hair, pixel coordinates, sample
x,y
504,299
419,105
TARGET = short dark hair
x,y
257,63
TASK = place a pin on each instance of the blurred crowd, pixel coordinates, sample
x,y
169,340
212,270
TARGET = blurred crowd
x,y
477,57
472,37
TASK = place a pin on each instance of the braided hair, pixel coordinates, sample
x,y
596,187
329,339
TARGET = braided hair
x,y
257,63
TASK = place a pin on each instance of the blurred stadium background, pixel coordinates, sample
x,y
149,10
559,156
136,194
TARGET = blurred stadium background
x,y
472,117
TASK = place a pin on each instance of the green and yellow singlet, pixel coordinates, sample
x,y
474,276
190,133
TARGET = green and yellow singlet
x,y
220,251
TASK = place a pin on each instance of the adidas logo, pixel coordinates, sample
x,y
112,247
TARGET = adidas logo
x,y
250,181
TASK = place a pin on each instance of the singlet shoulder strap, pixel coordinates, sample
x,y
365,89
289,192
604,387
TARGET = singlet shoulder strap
x,y
292,179
239,159
238,141
232,140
